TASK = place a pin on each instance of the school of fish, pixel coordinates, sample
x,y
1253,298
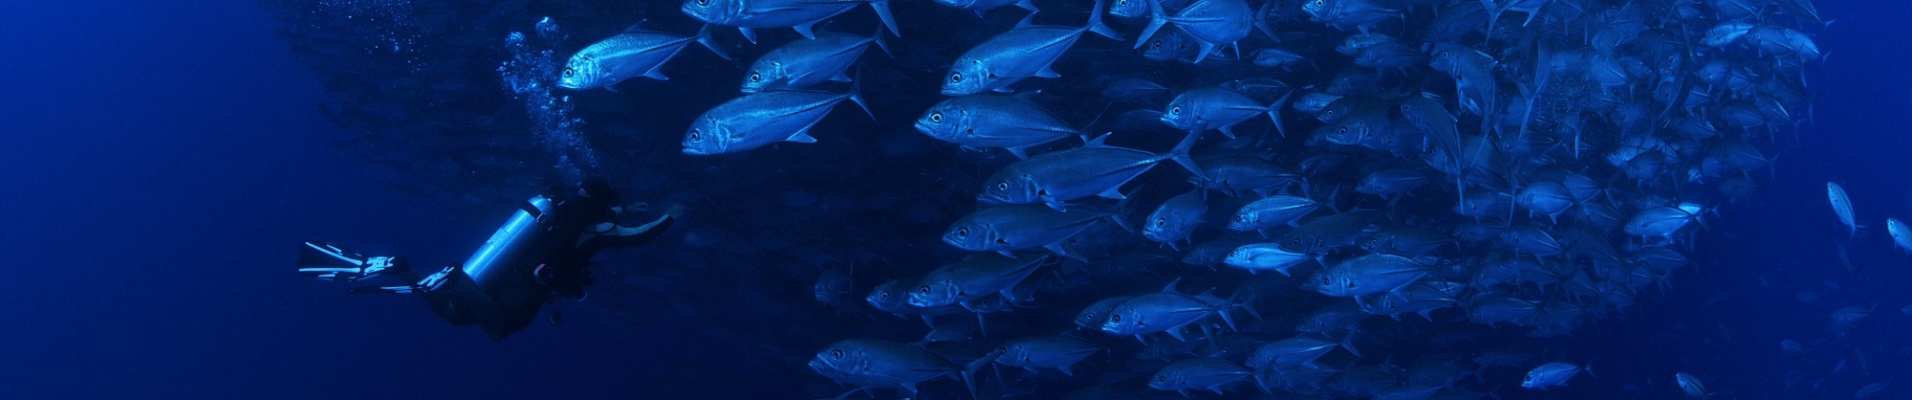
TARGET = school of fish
x,y
1346,181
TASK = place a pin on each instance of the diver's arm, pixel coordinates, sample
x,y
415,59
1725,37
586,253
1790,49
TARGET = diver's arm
x,y
612,235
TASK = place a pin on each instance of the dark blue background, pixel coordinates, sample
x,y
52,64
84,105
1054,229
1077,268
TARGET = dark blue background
x,y
161,161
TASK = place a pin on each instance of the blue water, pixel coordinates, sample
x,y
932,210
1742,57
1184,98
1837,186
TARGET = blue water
x,y
162,160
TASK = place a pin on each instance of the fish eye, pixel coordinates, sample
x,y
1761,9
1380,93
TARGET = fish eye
x,y
1175,110
834,353
569,72
754,77
1161,222
924,289
1115,318
936,117
885,295
955,77
1350,284
703,2
1329,113
1239,218
1002,186
962,232
1162,378
1155,45
694,135
1342,131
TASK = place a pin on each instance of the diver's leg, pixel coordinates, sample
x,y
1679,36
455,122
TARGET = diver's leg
x,y
429,283
325,261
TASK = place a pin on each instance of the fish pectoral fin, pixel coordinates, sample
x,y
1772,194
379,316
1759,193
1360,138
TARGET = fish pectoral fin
x,y
1113,193
1048,72
748,34
802,136
655,73
808,30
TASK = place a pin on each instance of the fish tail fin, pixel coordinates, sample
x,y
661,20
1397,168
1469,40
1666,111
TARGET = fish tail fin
x,y
1274,112
1096,25
1493,14
1180,154
1157,18
1266,27
856,94
1124,207
969,372
703,38
1347,343
882,8
882,44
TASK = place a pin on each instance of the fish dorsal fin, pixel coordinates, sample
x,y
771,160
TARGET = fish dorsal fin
x,y
1171,286
636,27
1027,21
1098,141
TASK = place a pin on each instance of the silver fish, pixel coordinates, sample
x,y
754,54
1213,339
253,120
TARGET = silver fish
x,y
1264,257
1200,373
993,121
881,363
1164,311
627,55
1045,351
1175,219
1549,375
760,119
1203,109
979,6
1901,234
804,63
1008,228
1095,169
1021,53
1271,212
1842,206
1213,23
980,274
1690,385
1368,274
802,15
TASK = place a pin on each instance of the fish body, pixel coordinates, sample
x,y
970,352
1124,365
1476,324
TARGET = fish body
x,y
1549,375
1322,234
1213,23
1271,212
979,6
1095,169
1009,228
1841,206
805,63
1200,373
1690,385
1368,274
1045,351
1264,257
1176,219
802,15
1021,53
1165,311
1095,314
1215,108
627,55
980,274
993,121
760,119
1901,234
880,363
1238,174
1291,352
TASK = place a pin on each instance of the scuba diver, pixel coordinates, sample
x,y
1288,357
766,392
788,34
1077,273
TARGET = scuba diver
x,y
540,254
